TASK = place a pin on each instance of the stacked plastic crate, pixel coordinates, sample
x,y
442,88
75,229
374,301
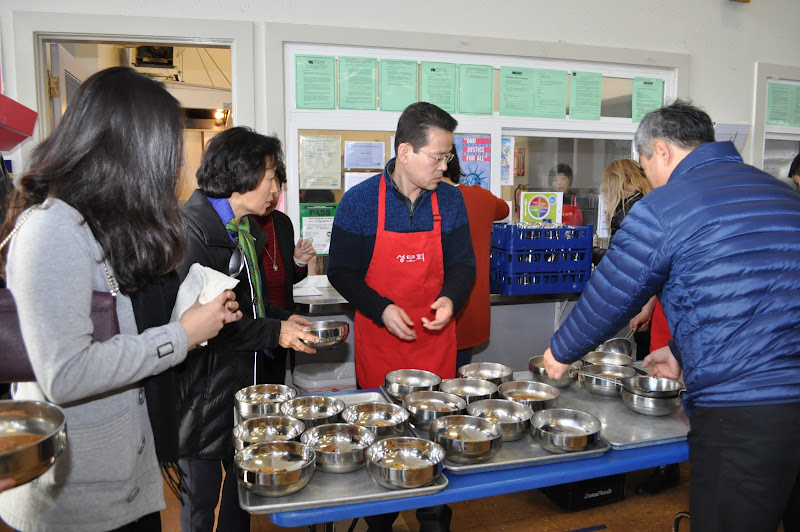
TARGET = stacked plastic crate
x,y
532,260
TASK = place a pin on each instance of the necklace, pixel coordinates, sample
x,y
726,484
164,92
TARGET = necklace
x,y
274,248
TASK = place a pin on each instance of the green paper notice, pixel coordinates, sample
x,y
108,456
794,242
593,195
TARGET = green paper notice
x,y
648,95
438,85
549,93
585,95
780,102
398,84
358,83
315,79
516,91
475,89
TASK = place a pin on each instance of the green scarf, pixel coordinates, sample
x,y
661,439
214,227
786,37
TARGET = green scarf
x,y
246,242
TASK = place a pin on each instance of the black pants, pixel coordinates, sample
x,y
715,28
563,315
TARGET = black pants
x,y
203,479
431,519
745,468
146,523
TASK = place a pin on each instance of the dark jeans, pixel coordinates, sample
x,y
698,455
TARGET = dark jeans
x,y
202,481
745,468
431,519
463,356
146,523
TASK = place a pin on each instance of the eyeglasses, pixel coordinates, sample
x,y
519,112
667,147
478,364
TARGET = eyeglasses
x,y
446,158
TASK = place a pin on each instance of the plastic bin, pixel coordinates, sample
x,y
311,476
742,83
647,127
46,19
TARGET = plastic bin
x,y
525,284
324,377
544,260
511,237
589,493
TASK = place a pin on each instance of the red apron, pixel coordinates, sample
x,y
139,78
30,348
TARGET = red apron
x,y
407,268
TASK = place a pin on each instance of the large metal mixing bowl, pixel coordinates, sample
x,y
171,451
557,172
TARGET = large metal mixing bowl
x,y
404,462
536,395
650,406
602,379
536,366
561,430
43,426
383,419
467,439
331,333
426,406
493,372
656,387
608,358
339,446
514,418
400,382
470,389
276,468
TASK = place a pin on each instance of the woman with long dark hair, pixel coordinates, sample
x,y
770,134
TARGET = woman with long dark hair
x,y
101,197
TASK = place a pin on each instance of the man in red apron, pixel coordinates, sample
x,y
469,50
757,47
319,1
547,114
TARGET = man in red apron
x,y
401,254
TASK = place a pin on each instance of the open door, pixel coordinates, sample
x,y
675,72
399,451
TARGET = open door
x,y
66,75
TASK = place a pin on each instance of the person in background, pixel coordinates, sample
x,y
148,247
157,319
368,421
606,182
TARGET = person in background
x,y
483,209
236,179
401,254
101,194
794,172
285,264
720,240
560,178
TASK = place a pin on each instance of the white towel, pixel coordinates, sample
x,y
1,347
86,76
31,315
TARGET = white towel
x,y
201,284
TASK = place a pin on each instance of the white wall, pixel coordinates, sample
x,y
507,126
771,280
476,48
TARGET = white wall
x,y
723,39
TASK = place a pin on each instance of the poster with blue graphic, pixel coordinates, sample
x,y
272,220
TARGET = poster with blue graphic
x,y
474,153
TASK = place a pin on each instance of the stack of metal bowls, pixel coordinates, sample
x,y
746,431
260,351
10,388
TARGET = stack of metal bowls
x,y
493,372
261,400
339,447
602,379
513,418
470,389
314,410
536,366
383,419
467,439
562,430
426,406
398,463
267,428
536,395
276,468
607,358
400,382
35,433
330,333
651,396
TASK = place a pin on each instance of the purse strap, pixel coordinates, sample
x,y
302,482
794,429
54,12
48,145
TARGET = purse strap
x,y
7,239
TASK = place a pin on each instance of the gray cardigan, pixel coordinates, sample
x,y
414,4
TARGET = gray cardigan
x,y
108,475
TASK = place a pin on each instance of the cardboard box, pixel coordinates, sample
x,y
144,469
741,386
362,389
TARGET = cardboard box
x,y
588,493
16,123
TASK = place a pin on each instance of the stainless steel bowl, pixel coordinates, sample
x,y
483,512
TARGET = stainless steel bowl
x,y
275,468
490,371
339,446
536,395
561,430
514,418
602,379
330,333
608,358
314,410
398,463
402,381
262,400
267,428
426,406
536,366
650,406
38,433
383,419
467,439
621,346
656,387
470,389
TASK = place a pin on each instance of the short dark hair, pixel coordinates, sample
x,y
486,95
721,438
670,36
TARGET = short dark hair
x,y
454,171
236,160
560,168
115,158
417,121
794,169
679,123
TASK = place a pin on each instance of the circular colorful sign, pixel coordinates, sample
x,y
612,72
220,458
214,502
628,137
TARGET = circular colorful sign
x,y
539,206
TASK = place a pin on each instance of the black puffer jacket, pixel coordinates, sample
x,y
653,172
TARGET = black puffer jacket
x,y
616,220
211,375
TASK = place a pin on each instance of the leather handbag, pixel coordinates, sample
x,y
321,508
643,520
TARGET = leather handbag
x,y
15,366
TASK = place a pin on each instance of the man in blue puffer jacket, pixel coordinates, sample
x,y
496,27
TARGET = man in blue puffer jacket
x,y
720,241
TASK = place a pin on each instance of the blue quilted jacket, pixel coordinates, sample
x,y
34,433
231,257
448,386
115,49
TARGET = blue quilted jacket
x,y
721,243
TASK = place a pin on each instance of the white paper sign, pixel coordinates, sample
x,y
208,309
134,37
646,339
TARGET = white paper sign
x,y
367,155
352,179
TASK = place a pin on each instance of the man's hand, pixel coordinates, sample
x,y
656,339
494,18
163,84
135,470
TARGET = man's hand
x,y
398,323
292,334
444,311
554,368
664,364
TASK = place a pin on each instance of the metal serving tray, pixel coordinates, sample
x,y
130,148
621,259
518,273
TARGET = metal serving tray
x,y
621,427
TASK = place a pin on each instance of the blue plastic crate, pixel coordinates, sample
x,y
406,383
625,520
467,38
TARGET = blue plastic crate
x,y
540,260
524,284
510,237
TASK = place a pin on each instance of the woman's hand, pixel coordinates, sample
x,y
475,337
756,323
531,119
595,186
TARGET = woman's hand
x,y
299,320
304,251
641,322
205,321
292,334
